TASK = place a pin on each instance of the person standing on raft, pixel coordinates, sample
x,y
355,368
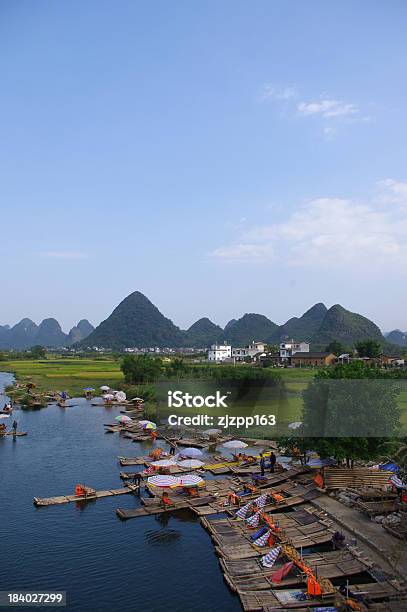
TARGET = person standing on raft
x,y
15,424
273,460
262,464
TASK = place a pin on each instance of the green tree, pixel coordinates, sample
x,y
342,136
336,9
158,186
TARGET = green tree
x,y
345,401
368,348
141,369
37,352
177,368
335,347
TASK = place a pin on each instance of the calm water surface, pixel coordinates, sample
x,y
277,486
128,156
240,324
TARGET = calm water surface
x,y
151,564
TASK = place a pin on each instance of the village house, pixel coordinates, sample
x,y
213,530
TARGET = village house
x,y
220,352
251,350
225,352
314,359
288,348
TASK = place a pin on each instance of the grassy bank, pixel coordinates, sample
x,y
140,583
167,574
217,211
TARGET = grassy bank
x,y
73,374
64,373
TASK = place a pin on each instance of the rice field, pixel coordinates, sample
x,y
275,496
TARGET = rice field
x,y
70,374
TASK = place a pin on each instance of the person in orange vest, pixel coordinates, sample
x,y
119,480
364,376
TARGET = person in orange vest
x,y
153,435
165,500
233,499
313,586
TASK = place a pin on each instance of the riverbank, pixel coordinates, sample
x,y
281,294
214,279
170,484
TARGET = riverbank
x,y
65,373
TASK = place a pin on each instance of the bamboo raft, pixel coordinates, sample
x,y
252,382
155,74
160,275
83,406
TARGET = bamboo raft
x,y
18,433
398,531
233,541
284,599
357,478
65,499
193,442
132,461
153,506
371,494
326,565
374,508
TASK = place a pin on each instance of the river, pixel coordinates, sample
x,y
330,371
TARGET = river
x,y
104,564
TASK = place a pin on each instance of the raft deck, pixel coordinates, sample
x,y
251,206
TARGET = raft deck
x,y
65,499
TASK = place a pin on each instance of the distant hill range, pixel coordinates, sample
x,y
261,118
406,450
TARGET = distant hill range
x,y
48,333
397,337
137,322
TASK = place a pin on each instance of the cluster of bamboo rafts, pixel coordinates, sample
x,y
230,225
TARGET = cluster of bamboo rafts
x,y
303,537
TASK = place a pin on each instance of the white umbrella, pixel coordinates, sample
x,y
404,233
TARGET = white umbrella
x,y
108,397
120,396
212,432
191,452
104,388
190,463
164,482
163,463
137,399
235,444
295,425
191,480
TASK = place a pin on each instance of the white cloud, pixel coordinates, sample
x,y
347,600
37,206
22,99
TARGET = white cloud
x,y
63,255
327,109
393,192
331,233
244,252
269,92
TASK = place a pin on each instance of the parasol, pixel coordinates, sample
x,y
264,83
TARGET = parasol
x,y
147,424
191,480
122,418
190,463
190,452
235,444
295,425
164,482
163,463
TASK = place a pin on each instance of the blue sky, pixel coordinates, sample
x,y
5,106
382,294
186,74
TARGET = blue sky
x,y
221,157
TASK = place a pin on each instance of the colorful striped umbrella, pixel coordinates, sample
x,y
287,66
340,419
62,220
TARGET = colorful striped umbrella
x,y
262,540
261,501
253,521
190,463
122,418
397,482
271,557
164,482
242,512
147,424
191,480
